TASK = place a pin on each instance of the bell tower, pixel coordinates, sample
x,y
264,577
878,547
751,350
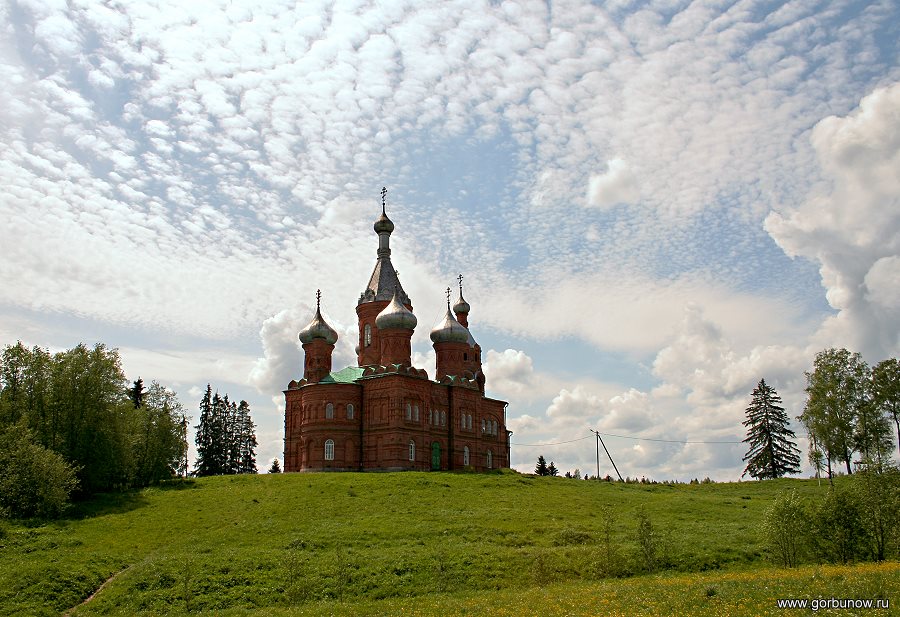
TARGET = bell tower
x,y
384,285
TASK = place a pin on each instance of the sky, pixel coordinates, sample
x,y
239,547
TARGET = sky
x,y
654,204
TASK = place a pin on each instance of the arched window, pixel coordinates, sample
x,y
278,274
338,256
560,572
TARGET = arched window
x,y
482,425
469,422
490,459
367,335
431,416
329,411
349,411
416,413
329,450
494,427
443,418
466,456
409,411
462,421
412,450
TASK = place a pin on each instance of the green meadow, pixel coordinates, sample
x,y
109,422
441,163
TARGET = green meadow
x,y
415,543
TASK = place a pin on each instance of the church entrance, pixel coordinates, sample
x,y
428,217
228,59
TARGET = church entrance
x,y
435,456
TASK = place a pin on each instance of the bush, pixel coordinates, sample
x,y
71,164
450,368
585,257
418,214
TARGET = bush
x,y
838,534
648,541
877,490
784,527
34,481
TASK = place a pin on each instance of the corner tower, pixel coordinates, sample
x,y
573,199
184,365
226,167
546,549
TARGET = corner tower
x,y
382,288
318,340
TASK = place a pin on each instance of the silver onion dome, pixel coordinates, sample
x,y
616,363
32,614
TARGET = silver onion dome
x,y
450,331
395,316
461,305
318,328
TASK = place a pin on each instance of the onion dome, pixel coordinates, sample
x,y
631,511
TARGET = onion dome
x,y
317,328
450,331
461,305
395,316
383,224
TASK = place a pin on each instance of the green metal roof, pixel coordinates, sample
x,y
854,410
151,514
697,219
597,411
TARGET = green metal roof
x,y
345,375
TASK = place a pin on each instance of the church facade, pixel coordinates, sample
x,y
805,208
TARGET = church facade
x,y
384,414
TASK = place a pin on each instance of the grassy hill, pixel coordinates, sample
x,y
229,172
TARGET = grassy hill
x,y
429,542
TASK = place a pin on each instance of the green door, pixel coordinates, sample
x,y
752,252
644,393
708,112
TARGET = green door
x,y
435,456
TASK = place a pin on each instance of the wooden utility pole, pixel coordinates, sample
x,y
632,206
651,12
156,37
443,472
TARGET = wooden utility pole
x,y
600,443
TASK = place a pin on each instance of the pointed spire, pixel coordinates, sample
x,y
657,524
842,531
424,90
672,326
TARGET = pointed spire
x,y
384,278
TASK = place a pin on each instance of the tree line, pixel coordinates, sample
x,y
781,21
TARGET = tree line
x,y
71,425
848,413
226,437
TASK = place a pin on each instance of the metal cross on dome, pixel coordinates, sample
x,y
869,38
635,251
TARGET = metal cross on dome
x,y
383,198
460,278
448,297
318,298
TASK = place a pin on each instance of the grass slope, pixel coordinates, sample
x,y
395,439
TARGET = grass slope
x,y
292,541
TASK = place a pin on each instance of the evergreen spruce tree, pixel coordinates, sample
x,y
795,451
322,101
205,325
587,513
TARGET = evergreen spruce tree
x,y
773,453
205,436
231,437
541,468
276,466
137,393
248,443
552,470
219,435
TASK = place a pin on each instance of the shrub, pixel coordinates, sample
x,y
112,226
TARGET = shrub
x,y
34,481
784,527
837,529
648,542
877,491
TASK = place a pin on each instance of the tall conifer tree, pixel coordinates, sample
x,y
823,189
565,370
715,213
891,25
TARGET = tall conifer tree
x,y
205,437
541,468
773,453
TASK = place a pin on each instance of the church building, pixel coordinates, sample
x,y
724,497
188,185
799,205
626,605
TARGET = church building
x,y
384,414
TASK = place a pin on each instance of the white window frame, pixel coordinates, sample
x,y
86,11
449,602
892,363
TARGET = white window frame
x,y
466,456
412,450
329,450
367,335
329,411
490,459
409,411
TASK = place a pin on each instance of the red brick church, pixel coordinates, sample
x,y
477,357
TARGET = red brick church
x,y
385,414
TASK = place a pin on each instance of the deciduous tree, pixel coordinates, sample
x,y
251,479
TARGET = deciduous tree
x,y
836,391
886,390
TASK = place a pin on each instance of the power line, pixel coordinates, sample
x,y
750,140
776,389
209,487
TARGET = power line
x,y
559,443
541,445
666,440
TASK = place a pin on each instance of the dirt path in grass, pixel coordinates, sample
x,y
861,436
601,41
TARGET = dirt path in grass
x,y
69,612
